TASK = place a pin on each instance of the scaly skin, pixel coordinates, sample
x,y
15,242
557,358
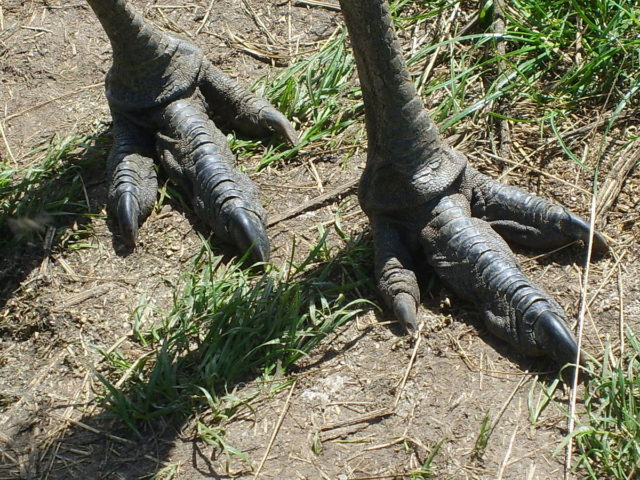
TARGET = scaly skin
x,y
422,197
161,91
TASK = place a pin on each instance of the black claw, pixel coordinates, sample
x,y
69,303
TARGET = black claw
x,y
555,339
128,213
279,123
405,309
599,243
248,233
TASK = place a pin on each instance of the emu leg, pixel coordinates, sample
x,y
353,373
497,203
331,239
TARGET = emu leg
x,y
422,198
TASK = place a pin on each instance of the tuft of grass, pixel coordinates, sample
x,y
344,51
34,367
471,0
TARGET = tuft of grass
x,y
49,191
538,403
583,42
427,470
169,471
559,55
318,92
607,435
482,440
229,323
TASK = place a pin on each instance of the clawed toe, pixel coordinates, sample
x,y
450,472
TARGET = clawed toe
x,y
526,219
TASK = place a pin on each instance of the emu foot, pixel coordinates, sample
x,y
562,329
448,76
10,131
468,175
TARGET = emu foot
x,y
456,231
163,92
424,201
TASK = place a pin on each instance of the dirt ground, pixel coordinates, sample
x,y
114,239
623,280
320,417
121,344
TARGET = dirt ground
x,y
368,404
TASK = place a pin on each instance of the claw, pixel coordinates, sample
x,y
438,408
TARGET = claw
x,y
582,227
247,233
555,339
277,122
128,213
405,309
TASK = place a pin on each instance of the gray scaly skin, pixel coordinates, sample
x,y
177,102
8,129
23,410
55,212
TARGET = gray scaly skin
x,y
422,197
162,91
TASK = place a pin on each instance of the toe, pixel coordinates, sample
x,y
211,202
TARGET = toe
x,y
581,229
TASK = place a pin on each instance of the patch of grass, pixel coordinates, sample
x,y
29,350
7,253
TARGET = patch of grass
x,y
167,472
319,93
45,193
592,47
607,435
558,56
229,323
427,469
539,402
482,439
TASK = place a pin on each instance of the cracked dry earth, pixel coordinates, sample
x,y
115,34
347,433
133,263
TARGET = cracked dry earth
x,y
368,402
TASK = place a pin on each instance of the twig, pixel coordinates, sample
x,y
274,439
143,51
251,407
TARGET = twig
x,y
385,476
48,242
366,417
605,282
621,312
615,178
256,19
533,169
408,369
6,143
285,408
499,27
37,29
43,104
426,73
289,28
495,422
85,295
505,461
316,3
581,314
125,376
255,51
205,19
314,202
385,445
566,136
91,429
316,176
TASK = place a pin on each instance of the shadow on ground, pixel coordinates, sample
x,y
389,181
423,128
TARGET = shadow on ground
x,y
166,407
48,207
